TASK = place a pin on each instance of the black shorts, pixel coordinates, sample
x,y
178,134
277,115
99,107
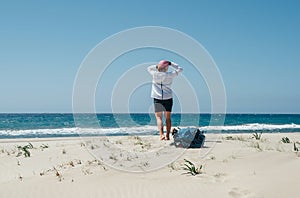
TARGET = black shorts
x,y
163,105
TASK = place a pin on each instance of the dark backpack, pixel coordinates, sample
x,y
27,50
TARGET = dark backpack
x,y
188,137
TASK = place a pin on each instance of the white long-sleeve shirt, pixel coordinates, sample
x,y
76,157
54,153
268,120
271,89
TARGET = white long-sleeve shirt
x,y
162,81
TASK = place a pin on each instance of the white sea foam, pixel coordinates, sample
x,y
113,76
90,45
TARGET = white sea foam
x,y
142,130
252,127
78,131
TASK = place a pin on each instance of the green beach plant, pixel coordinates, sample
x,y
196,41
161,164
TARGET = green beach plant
x,y
25,150
191,169
257,136
296,149
43,146
285,140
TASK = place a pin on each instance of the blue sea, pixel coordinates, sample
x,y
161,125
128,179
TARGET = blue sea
x,y
64,125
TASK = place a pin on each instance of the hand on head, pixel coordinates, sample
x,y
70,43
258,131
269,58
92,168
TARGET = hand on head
x,y
163,65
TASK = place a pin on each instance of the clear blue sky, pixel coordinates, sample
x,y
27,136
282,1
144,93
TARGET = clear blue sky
x,y
255,43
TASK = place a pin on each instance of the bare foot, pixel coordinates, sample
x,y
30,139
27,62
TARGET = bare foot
x,y
162,137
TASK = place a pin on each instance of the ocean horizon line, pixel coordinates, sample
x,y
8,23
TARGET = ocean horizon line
x,y
204,113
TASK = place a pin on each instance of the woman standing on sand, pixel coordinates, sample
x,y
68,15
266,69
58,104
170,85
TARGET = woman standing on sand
x,y
162,93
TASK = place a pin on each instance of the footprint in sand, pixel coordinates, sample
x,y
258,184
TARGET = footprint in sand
x,y
240,193
220,177
216,178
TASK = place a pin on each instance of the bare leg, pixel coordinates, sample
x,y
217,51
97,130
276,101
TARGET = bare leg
x,y
168,123
160,125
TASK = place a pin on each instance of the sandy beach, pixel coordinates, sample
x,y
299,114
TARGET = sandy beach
x,y
233,165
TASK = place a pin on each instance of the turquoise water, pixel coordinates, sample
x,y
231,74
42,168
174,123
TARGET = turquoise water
x,y
63,125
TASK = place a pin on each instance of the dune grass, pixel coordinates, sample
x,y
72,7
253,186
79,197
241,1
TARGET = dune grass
x,y
191,168
296,149
25,150
285,140
257,136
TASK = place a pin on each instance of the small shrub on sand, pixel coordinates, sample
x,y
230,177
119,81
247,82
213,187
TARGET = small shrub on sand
x,y
285,140
257,136
191,169
296,149
25,150
43,146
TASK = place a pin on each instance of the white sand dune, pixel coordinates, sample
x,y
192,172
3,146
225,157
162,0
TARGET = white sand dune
x,y
234,165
